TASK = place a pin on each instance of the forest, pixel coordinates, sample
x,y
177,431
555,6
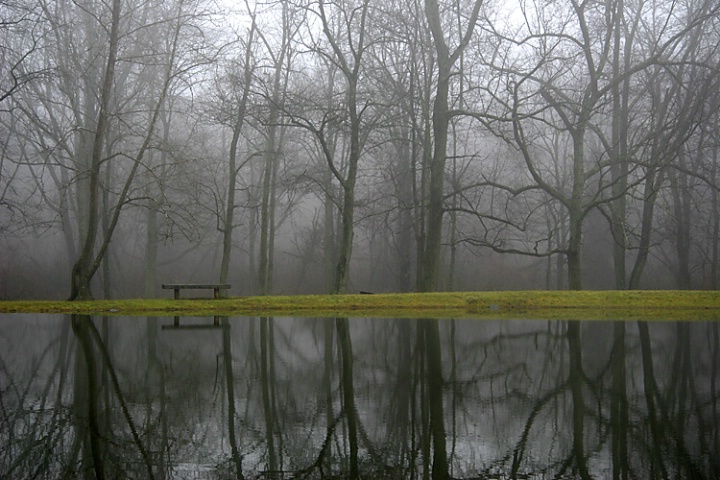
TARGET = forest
x,y
333,146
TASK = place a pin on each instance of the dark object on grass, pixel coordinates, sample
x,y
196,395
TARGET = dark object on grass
x,y
195,286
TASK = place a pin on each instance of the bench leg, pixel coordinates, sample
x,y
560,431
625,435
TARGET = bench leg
x,y
216,293
177,293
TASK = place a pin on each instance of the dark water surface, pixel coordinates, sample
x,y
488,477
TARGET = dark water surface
x,y
132,397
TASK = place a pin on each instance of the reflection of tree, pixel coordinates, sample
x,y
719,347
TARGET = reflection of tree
x,y
209,424
157,434
421,375
79,411
267,384
230,389
348,391
87,391
323,462
86,401
107,362
402,404
522,447
657,464
30,445
619,405
679,404
519,400
575,380
678,440
550,402
713,334
431,335
327,395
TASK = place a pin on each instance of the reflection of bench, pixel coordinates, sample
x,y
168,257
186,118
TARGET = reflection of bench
x,y
196,326
216,287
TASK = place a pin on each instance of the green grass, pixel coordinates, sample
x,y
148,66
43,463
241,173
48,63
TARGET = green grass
x,y
628,305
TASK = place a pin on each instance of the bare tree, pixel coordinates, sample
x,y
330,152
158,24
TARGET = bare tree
x,y
281,59
446,59
344,31
21,30
557,79
85,265
238,107
88,129
180,16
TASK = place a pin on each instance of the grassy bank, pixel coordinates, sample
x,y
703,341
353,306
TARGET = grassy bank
x,y
668,305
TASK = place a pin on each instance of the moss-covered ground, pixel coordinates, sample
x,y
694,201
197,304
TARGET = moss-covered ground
x,y
628,305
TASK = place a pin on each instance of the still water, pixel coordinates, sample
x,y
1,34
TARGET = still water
x,y
204,398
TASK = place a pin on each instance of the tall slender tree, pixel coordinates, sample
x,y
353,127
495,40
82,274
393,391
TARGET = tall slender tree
x,y
446,60
238,106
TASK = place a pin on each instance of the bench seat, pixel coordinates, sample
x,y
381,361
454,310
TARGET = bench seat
x,y
216,287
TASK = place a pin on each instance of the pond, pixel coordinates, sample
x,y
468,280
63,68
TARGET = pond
x,y
216,398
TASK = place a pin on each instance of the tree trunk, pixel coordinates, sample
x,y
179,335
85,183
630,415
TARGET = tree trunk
x,y
82,271
715,237
342,269
682,207
440,123
329,244
435,201
653,181
153,207
232,164
420,190
574,250
271,157
577,210
349,63
620,161
404,247
88,262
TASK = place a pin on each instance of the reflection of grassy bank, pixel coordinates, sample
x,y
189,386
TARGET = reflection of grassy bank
x,y
631,305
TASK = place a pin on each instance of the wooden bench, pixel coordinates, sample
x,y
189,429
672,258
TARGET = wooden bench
x,y
216,287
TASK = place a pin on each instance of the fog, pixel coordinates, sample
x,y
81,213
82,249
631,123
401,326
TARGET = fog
x,y
330,147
